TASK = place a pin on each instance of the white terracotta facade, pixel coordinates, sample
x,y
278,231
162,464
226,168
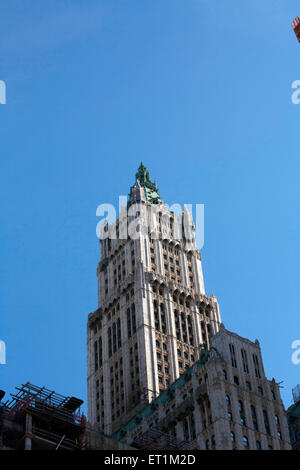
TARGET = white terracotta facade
x,y
153,325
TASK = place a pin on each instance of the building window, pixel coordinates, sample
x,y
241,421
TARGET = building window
x,y
96,355
260,391
186,429
133,318
248,385
232,355
227,398
254,418
276,419
258,445
242,417
236,380
266,421
279,435
129,323
229,416
232,436
245,360
245,441
256,366
224,375
109,342
100,352
114,333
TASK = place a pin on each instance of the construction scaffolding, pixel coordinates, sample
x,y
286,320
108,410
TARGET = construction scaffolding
x,y
36,418
156,439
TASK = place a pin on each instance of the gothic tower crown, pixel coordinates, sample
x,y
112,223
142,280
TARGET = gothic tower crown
x,y
144,188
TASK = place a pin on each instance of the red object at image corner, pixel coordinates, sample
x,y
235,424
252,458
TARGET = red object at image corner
x,y
296,27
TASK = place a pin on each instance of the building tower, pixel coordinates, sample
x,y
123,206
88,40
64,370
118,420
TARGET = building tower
x,y
153,315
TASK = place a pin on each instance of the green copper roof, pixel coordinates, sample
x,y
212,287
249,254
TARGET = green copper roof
x,y
150,188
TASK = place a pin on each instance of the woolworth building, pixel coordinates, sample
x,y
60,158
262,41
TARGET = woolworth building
x,y
153,315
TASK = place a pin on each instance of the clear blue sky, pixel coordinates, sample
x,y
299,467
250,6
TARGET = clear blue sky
x,y
200,91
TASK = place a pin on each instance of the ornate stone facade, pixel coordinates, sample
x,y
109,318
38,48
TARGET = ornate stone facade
x,y
153,315
224,402
159,362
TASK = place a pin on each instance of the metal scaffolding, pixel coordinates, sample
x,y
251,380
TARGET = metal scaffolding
x,y
155,438
42,418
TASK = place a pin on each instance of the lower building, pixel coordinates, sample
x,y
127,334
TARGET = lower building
x,y
223,402
95,440
293,415
36,418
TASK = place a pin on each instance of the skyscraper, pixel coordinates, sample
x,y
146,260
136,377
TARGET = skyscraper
x,y
153,315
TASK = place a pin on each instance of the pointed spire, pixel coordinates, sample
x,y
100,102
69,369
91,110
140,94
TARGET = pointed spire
x,y
143,180
142,175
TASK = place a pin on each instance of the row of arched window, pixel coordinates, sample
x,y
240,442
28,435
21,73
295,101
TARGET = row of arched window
x,y
253,416
184,327
244,360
